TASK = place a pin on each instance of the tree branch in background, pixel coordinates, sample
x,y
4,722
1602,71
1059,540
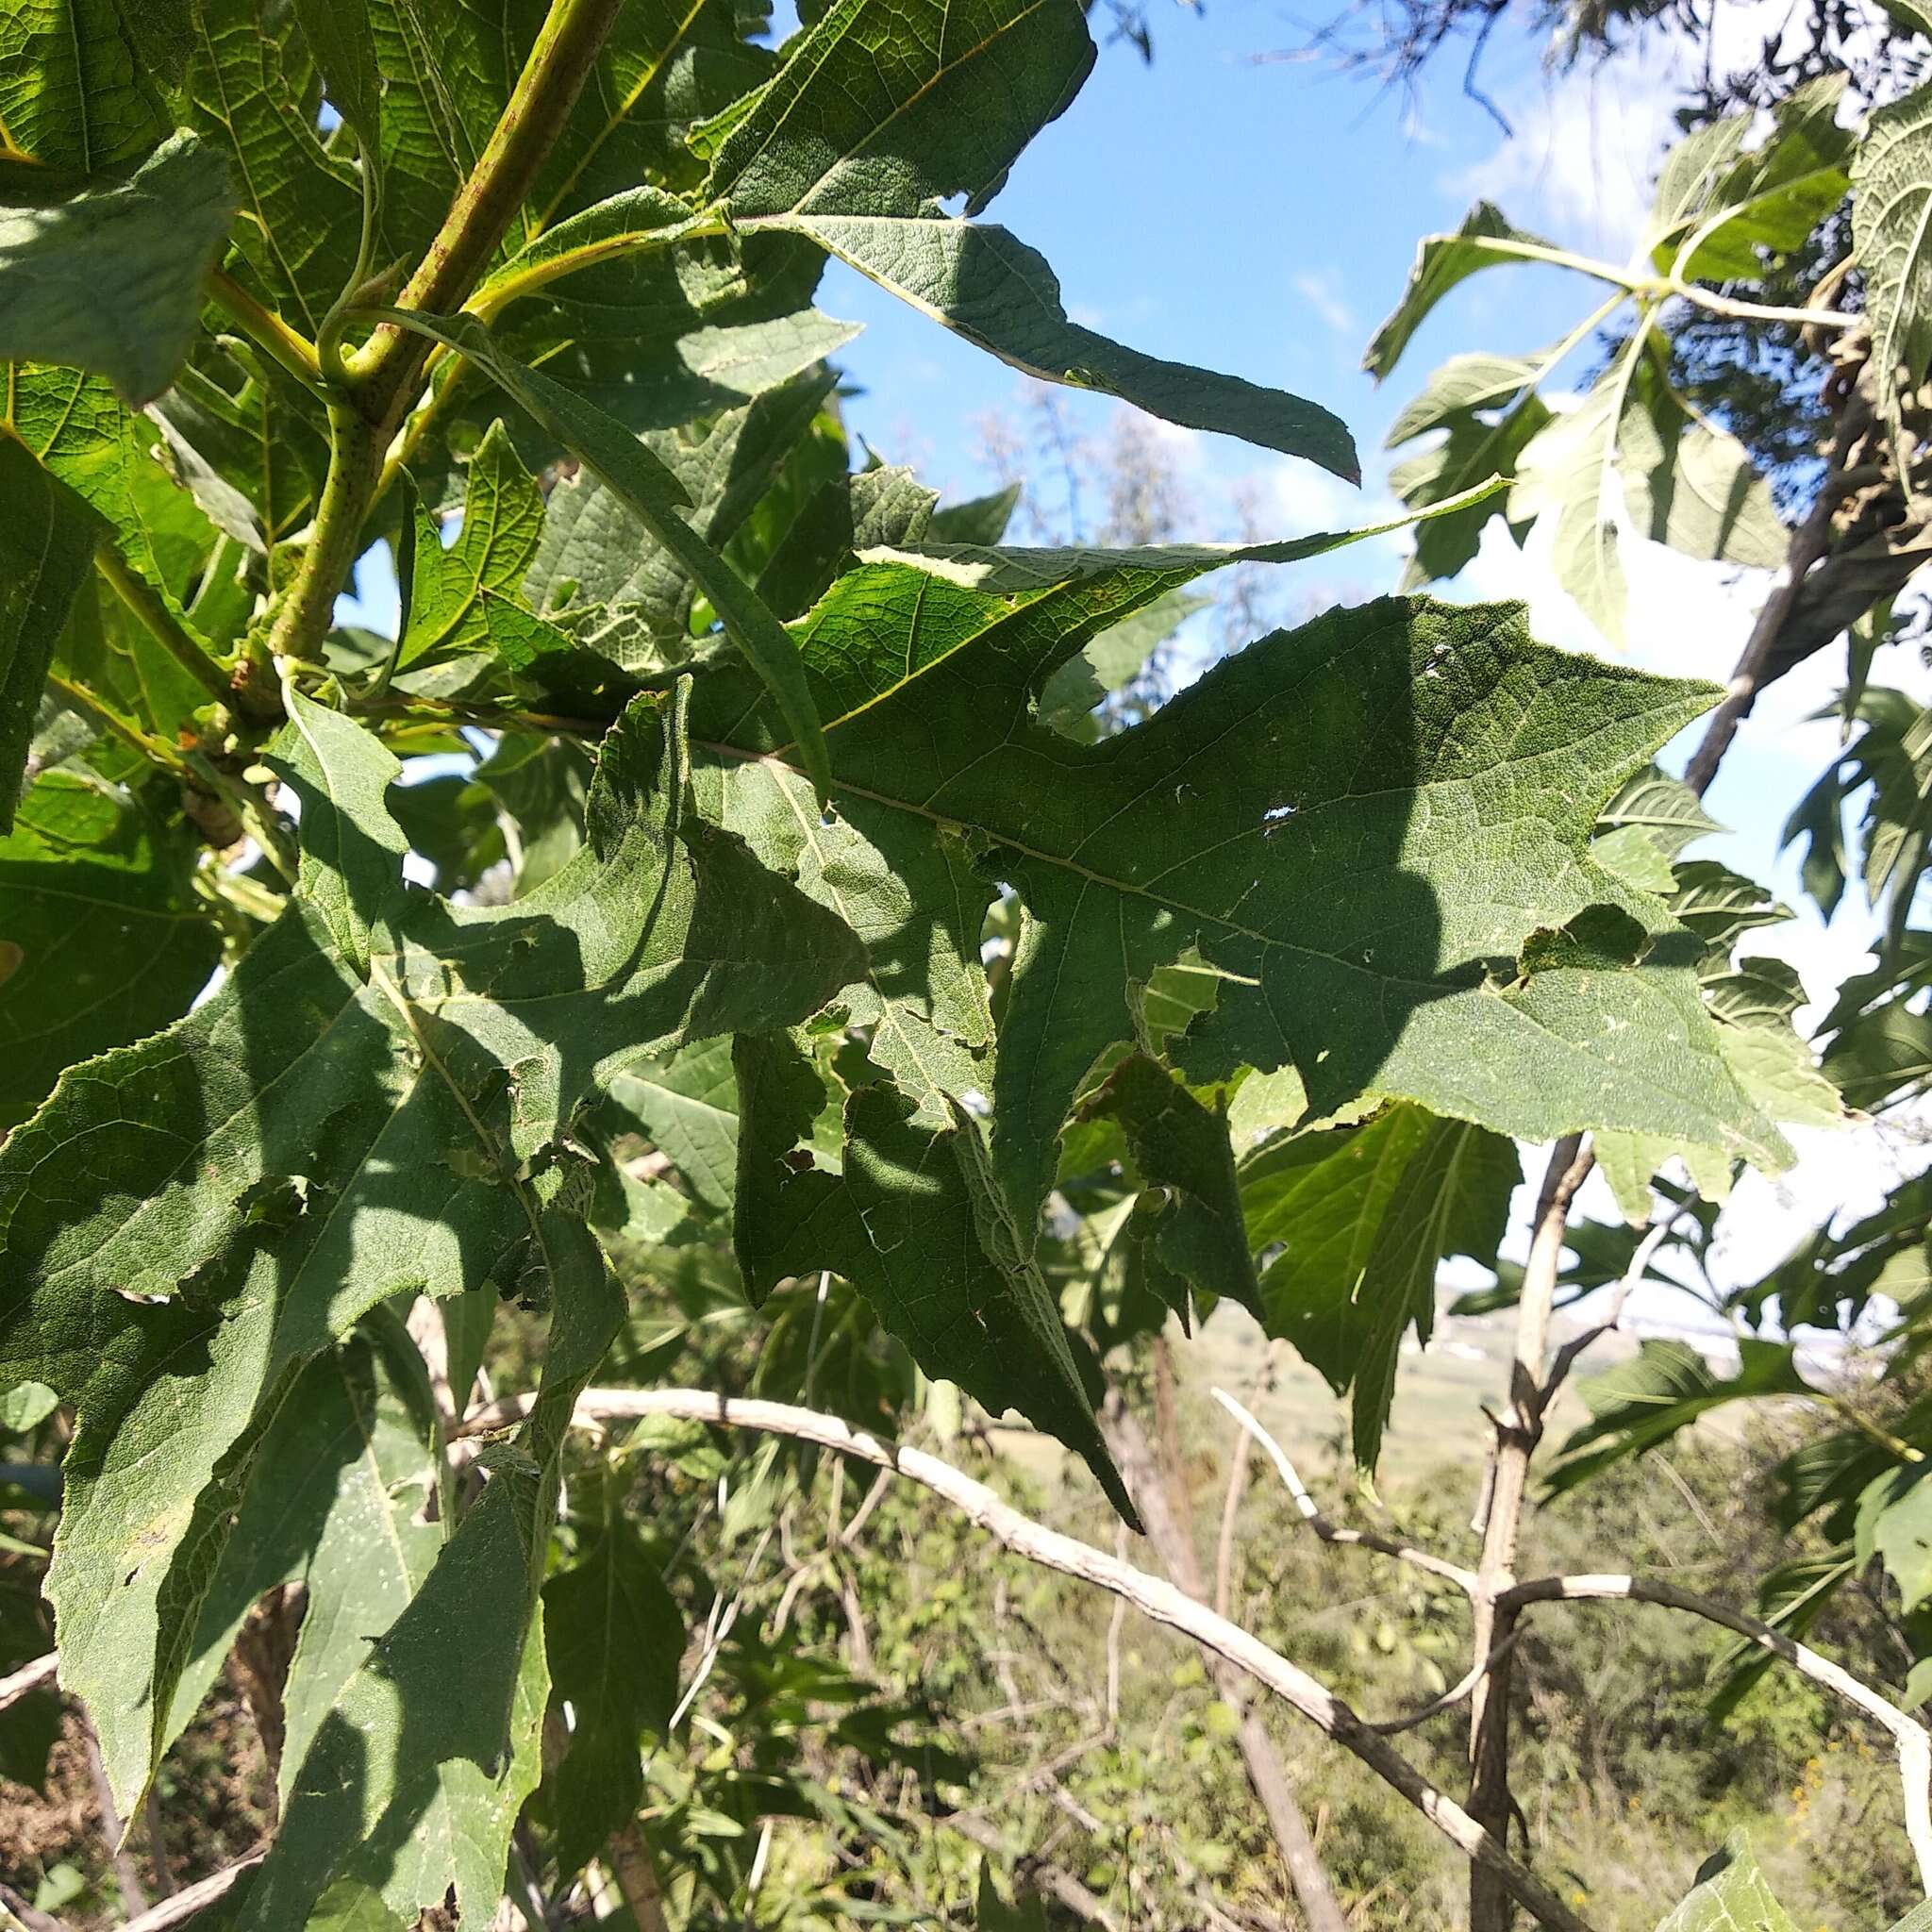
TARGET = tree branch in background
x,y
1153,1597
1913,1740
1517,1435
1155,1483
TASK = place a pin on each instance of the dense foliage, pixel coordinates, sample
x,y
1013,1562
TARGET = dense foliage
x,y
732,889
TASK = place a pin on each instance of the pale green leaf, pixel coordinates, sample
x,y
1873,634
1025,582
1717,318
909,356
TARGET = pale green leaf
x,y
652,495
1364,1217
338,35
916,1224
111,278
352,1115
1377,940
1485,239
1730,1896
985,284
613,1635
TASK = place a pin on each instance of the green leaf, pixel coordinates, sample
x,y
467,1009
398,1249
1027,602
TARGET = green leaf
x,y
1641,1404
916,1224
666,64
652,495
365,1107
614,1638
1692,484
48,539
1730,1894
1720,214
917,899
1648,824
1364,1217
338,35
469,597
1895,1523
111,278
1374,939
415,1780
249,92
1191,1206
334,1500
687,1108
1563,474
882,107
1891,236
74,96
1440,479
1461,386
985,284
104,941
598,572
884,508
417,1774
1485,239
1112,661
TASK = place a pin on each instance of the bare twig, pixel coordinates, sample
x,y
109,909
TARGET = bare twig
x,y
133,1894
1230,1510
1153,1596
1156,1481
28,1678
1451,1697
1655,1236
1914,1742
197,1897
636,1873
1362,1539
1037,1874
29,1915
1810,543
1517,1435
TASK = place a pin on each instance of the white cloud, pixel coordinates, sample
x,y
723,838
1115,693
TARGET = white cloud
x,y
1587,139
1321,288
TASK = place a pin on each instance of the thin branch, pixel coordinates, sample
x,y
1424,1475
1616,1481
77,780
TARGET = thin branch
x,y
1655,1236
1914,1742
291,351
1508,1483
197,1897
1455,1694
1164,1602
1809,541
133,1894
146,604
28,1678
1037,1874
1362,1539
1230,1510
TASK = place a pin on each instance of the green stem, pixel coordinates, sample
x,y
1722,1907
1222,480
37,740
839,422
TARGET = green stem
x,y
288,347
385,372
335,538
487,203
146,602
123,728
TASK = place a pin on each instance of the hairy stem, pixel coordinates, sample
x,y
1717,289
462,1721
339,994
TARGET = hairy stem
x,y
385,373
289,348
